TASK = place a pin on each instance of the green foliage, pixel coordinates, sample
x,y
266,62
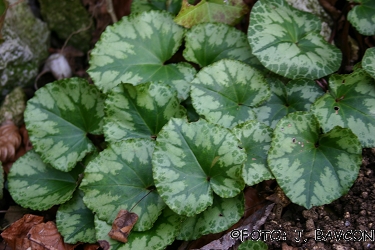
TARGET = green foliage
x,y
287,41
158,237
36,185
368,61
226,92
253,245
135,62
75,221
350,103
297,95
228,11
192,160
60,116
140,111
182,146
119,179
209,42
313,169
362,17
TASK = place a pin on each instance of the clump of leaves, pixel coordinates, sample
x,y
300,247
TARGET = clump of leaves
x,y
250,125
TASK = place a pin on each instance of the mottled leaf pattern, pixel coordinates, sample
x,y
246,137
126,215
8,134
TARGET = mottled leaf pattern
x,y
297,95
58,119
362,17
287,41
253,245
368,61
193,159
75,221
209,42
172,6
135,49
255,138
158,237
228,11
226,92
139,111
121,178
217,218
350,103
36,185
311,168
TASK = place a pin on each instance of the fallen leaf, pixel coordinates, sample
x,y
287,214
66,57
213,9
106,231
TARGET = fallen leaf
x,y
10,140
122,225
46,236
16,235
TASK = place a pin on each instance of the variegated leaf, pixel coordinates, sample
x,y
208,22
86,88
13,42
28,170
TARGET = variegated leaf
x,y
228,11
256,140
287,41
217,218
362,17
139,111
350,103
253,245
172,6
209,42
193,159
226,92
158,237
313,169
75,221
135,49
368,61
59,117
297,95
36,185
121,178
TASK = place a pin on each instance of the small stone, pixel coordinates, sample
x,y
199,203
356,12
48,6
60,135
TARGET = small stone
x,y
310,226
347,223
364,195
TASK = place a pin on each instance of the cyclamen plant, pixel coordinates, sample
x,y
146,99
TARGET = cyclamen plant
x,y
181,144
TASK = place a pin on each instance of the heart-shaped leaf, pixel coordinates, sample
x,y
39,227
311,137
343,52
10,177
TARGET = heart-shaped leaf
x,y
193,159
228,11
287,41
172,6
58,119
313,169
209,42
350,103
121,178
135,49
297,95
37,185
368,61
362,17
158,237
139,111
226,92
75,221
256,140
217,218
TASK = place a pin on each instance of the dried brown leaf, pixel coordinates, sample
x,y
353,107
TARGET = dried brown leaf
x,y
122,225
16,235
10,140
46,236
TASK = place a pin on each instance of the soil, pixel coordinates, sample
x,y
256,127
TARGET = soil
x,y
347,223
